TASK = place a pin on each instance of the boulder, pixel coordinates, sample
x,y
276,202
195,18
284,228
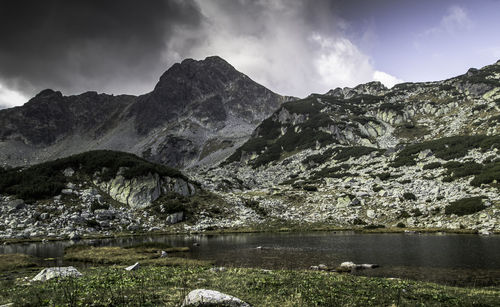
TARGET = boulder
x,y
348,265
75,236
67,191
57,272
204,297
175,217
68,172
16,204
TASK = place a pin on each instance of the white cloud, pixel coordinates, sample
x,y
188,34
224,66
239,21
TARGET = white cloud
x,y
10,98
288,53
386,79
455,21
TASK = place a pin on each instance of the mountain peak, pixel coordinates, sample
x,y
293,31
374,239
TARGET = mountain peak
x,y
48,93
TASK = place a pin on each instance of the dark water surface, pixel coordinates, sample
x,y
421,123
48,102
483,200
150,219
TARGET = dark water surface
x,y
453,259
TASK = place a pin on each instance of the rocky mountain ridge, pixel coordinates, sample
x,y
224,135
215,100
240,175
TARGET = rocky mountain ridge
x,y
199,112
416,156
422,155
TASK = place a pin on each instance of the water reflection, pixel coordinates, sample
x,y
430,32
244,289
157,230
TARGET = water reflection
x,y
448,258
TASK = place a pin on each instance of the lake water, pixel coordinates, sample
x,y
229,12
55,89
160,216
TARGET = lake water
x,y
467,260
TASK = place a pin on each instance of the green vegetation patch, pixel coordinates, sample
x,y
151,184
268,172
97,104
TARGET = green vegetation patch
x,y
170,203
167,286
489,173
345,153
432,165
466,206
409,196
46,180
255,206
126,255
447,148
10,262
306,106
333,172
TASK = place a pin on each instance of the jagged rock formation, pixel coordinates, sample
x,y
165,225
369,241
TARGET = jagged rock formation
x,y
198,113
372,115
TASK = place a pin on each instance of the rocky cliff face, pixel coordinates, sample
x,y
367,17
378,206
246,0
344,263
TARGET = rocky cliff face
x,y
423,155
198,113
141,192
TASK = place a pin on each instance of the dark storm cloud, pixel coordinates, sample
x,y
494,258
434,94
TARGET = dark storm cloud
x,y
88,44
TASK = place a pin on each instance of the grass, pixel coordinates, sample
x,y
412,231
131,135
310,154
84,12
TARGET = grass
x,y
144,253
15,261
167,286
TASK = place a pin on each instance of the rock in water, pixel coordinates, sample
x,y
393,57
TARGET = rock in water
x,y
57,272
133,267
203,297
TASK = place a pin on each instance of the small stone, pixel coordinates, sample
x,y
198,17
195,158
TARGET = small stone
x,y
68,172
218,269
133,267
67,191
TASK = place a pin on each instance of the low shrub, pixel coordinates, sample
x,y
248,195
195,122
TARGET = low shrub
x,y
310,188
466,206
409,196
416,212
432,165
373,226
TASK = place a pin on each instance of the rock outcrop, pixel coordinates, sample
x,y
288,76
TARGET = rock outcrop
x,y
141,192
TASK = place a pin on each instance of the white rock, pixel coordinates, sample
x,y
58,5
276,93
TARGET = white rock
x,y
348,265
133,267
204,297
57,272
175,217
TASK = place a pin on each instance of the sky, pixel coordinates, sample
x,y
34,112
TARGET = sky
x,y
293,47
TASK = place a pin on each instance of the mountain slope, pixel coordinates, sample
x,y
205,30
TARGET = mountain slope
x,y
424,155
199,110
372,115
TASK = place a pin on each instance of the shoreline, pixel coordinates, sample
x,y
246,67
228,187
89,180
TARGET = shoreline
x,y
296,229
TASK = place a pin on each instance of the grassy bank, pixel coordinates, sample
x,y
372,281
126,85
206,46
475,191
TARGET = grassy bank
x,y
167,286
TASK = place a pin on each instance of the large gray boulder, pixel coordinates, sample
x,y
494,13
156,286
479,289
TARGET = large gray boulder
x,y
57,272
175,217
203,297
